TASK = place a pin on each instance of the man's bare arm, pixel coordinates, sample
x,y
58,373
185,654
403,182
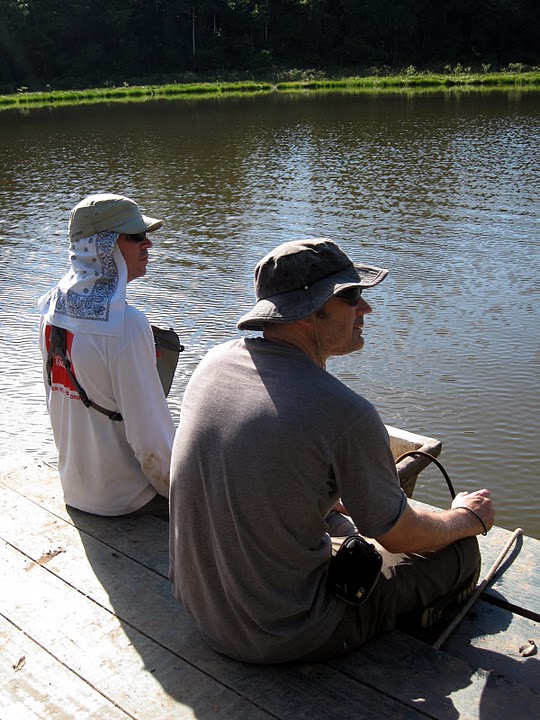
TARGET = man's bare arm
x,y
420,530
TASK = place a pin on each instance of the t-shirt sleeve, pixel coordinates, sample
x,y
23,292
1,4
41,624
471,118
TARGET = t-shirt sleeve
x,y
366,475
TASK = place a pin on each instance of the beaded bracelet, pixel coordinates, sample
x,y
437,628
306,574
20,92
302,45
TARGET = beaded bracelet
x,y
464,507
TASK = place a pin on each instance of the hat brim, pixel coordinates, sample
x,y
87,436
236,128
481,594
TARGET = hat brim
x,y
299,304
143,223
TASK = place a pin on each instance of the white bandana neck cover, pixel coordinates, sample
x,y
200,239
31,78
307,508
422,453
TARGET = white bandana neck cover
x,y
91,296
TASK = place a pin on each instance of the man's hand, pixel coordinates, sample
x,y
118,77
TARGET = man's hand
x,y
480,503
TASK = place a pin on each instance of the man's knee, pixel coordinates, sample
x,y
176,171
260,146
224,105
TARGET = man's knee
x,y
470,558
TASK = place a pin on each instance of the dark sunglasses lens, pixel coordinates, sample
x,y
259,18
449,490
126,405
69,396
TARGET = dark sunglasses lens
x,y
137,237
351,295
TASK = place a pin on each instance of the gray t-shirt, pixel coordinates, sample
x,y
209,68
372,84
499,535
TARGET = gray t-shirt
x,y
267,444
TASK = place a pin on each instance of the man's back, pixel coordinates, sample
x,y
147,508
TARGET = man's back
x,y
101,461
256,468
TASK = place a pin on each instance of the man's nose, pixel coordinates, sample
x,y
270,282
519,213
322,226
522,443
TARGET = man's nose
x,y
363,307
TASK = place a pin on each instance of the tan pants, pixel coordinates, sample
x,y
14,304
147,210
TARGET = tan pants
x,y
401,595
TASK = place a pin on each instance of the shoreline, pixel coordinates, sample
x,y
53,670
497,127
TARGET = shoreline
x,y
409,80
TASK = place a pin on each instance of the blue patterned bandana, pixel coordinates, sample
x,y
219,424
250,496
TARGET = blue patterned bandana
x,y
91,296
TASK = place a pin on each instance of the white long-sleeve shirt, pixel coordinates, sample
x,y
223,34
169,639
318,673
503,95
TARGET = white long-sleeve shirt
x,y
111,467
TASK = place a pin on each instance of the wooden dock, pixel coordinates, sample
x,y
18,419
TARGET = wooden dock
x,y
89,629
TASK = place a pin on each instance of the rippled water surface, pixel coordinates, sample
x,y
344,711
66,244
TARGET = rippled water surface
x,y
441,189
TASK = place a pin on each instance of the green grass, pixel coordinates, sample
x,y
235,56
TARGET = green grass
x,y
419,80
127,93
409,79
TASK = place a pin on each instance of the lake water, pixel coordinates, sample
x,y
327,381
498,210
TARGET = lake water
x,y
440,188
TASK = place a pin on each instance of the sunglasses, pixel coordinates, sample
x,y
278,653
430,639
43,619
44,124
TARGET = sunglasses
x,y
350,295
136,237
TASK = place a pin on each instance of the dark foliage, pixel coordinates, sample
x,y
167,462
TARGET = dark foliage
x,y
91,42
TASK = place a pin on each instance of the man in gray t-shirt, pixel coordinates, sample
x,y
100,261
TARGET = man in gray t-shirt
x,y
269,443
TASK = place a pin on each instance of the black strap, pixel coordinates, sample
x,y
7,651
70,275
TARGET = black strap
x,y
429,456
58,346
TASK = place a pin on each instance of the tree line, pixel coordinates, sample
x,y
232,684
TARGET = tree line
x,y
73,43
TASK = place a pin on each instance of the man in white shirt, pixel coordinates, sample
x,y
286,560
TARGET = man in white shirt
x,y
109,415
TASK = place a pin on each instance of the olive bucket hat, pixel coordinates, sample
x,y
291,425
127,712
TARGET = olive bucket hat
x,y
105,211
297,278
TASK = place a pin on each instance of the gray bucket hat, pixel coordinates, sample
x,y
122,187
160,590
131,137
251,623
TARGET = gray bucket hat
x,y
106,211
297,278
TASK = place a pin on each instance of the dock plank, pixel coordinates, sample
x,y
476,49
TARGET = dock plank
x,y
109,618
141,603
517,582
489,637
144,538
139,676
35,686
441,686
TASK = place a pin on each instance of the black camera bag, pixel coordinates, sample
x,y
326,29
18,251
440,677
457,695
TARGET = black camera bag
x,y
354,570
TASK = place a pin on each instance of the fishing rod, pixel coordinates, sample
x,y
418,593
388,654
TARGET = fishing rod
x,y
518,532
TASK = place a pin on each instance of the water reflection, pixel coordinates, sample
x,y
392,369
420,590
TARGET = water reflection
x,y
442,189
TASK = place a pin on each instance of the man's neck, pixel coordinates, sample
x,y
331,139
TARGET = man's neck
x,y
298,335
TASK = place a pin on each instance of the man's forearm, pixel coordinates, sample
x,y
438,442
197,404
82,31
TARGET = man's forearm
x,y
420,530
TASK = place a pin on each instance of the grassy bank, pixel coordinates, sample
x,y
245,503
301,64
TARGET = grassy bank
x,y
409,79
